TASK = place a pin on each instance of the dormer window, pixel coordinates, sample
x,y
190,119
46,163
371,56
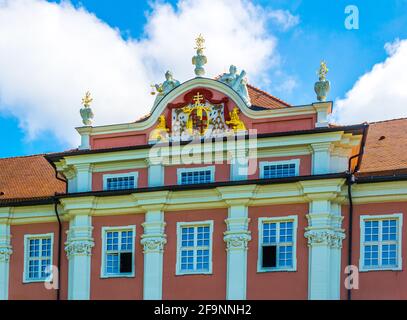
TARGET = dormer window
x,y
279,169
121,181
196,175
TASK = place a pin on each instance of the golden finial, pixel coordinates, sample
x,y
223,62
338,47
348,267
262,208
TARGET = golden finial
x,y
323,70
87,100
200,41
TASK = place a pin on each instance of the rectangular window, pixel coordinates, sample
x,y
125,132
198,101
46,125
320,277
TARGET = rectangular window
x,y
120,181
277,244
196,175
279,169
194,247
381,242
38,257
118,251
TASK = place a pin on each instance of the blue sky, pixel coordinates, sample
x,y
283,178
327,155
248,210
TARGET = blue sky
x,y
319,34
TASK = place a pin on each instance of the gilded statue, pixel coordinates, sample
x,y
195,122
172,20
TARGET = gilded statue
x,y
235,122
160,132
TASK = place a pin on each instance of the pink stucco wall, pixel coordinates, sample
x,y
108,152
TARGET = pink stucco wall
x,y
278,285
188,287
18,290
117,288
263,285
374,284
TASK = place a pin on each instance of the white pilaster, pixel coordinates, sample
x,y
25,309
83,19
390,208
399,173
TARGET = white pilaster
x,y
153,241
321,158
78,249
325,237
5,252
339,159
155,175
237,238
239,161
83,177
336,247
85,137
70,175
323,109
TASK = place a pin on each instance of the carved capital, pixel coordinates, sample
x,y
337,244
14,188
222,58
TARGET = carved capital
x,y
79,248
332,239
5,253
237,241
153,243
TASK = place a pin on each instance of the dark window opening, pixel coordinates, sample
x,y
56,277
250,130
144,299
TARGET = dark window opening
x,y
269,257
126,262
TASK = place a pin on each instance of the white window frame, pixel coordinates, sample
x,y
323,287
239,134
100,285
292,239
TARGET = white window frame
x,y
271,163
27,238
363,218
119,175
106,229
180,171
261,221
180,225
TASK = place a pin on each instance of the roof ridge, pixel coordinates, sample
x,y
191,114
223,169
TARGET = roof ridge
x,y
262,91
269,94
26,156
388,120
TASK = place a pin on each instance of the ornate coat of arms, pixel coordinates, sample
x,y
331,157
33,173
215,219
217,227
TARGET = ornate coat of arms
x,y
198,117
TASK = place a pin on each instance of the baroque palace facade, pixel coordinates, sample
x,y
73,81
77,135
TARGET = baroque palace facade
x,y
222,192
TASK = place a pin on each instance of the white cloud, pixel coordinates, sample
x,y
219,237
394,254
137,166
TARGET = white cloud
x,y
284,19
51,53
379,94
288,85
392,47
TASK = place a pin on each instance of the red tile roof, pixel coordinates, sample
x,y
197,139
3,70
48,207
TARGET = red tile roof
x,y
386,148
28,177
261,98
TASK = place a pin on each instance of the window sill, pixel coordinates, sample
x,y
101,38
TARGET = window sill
x,y
179,273
380,269
34,280
276,270
115,276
